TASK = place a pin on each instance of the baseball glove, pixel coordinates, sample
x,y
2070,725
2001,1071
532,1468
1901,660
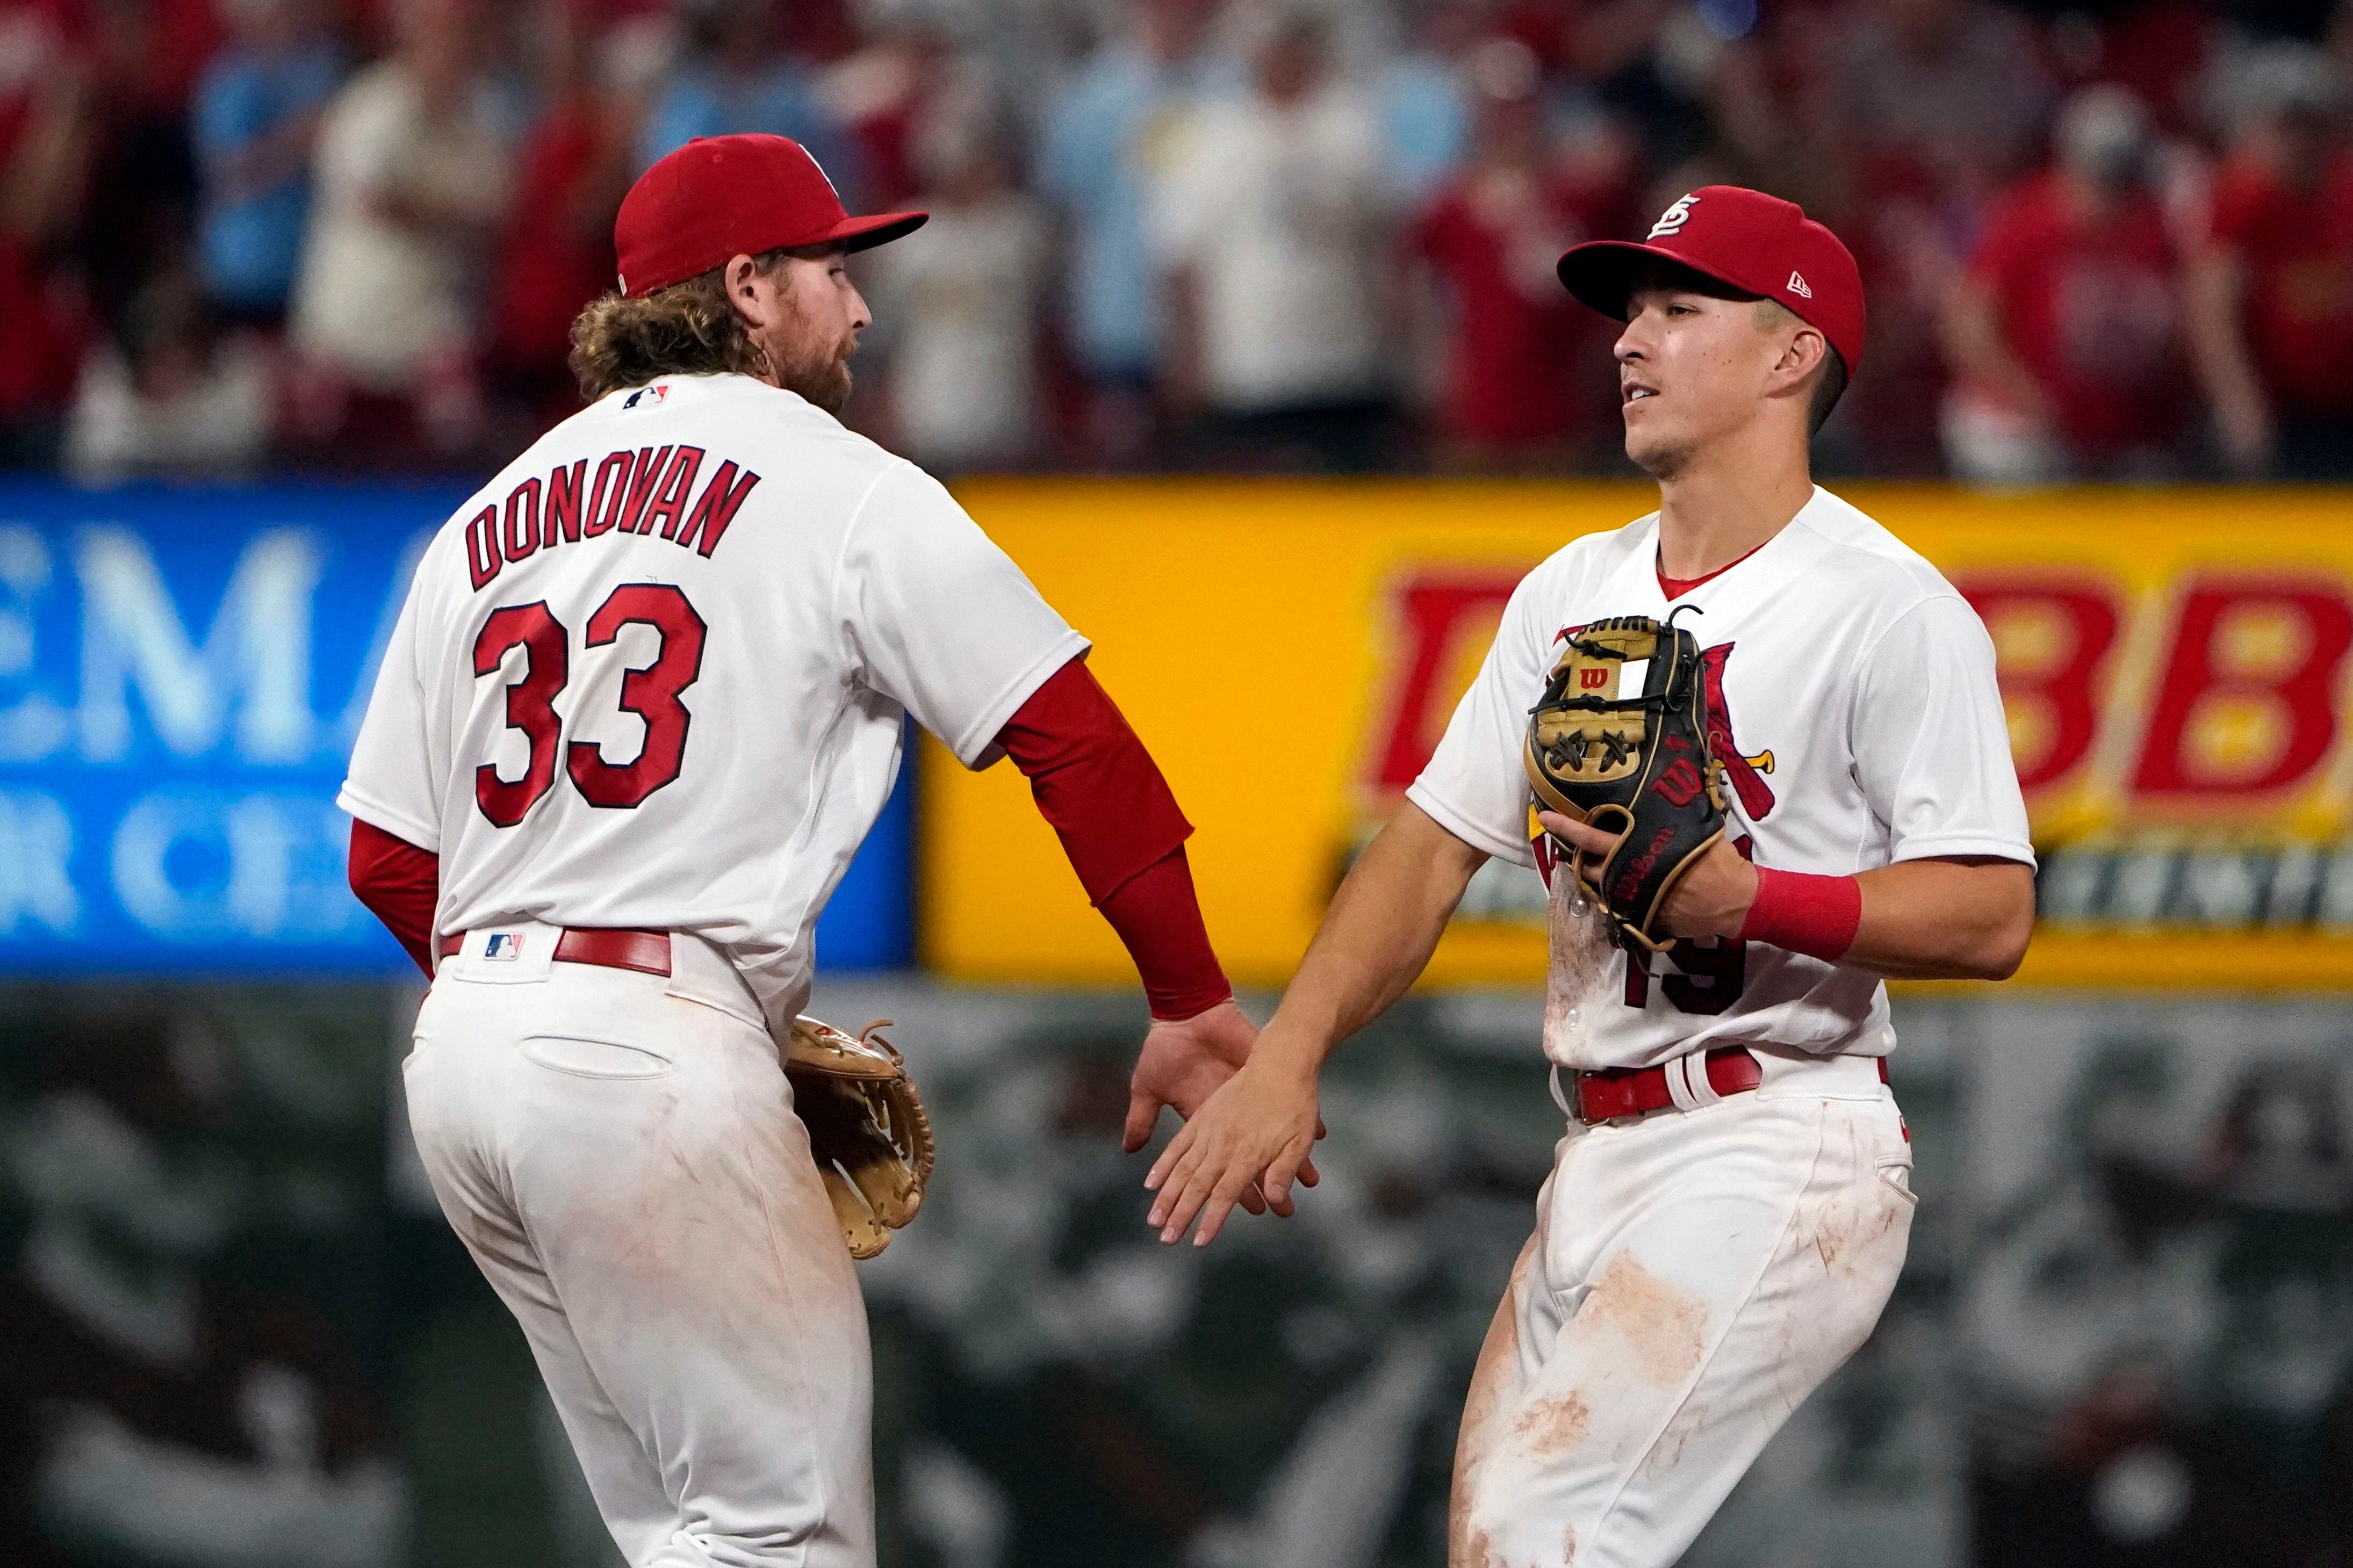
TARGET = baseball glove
x,y
1629,761
867,1130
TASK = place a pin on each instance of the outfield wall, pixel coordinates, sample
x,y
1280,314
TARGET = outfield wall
x,y
2174,664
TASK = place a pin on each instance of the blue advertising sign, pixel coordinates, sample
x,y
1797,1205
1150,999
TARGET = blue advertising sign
x,y
182,674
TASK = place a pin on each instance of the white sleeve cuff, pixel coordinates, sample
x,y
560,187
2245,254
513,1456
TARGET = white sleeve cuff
x,y
400,825
1944,846
1515,850
977,747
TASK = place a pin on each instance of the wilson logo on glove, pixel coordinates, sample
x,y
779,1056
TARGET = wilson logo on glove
x,y
1681,783
1638,763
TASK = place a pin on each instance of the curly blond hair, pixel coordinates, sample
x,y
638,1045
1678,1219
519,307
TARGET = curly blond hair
x,y
687,329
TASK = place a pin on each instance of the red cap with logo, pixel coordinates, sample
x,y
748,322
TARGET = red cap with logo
x,y
1757,244
723,196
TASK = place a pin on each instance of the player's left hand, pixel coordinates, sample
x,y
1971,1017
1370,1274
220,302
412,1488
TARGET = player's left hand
x,y
1712,899
1181,1066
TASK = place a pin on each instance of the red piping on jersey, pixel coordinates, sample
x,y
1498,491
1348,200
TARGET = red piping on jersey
x,y
1121,827
399,884
1676,588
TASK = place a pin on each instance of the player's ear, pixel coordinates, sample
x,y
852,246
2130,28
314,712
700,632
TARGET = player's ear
x,y
1801,355
741,276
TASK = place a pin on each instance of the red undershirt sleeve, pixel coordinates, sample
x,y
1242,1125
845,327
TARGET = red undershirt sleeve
x,y
400,884
1120,825
1158,919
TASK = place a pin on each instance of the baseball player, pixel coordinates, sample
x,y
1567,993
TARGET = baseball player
x,y
644,698
1731,1200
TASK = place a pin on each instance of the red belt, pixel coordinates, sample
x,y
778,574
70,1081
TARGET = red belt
x,y
1613,1092
647,951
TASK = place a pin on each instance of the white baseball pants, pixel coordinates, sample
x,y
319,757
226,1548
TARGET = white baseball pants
x,y
1694,1275
624,1163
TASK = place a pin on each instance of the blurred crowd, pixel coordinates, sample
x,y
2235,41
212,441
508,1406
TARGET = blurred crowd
x,y
2106,242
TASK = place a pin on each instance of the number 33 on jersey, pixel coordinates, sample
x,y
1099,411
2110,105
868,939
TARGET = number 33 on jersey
x,y
648,679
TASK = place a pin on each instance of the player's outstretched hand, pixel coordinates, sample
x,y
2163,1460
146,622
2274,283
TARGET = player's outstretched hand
x,y
1256,1130
1181,1066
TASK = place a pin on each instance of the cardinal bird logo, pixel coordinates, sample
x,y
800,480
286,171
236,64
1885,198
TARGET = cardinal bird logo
x,y
1746,773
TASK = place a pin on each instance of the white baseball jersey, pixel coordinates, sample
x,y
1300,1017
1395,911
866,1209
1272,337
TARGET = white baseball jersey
x,y
1864,726
652,676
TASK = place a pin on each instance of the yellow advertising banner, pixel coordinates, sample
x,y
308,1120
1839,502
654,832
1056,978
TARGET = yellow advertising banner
x,y
2173,662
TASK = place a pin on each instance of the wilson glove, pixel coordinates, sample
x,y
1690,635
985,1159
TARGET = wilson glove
x,y
1620,740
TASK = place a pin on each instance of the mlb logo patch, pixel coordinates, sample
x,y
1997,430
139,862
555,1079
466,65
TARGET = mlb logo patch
x,y
503,946
652,397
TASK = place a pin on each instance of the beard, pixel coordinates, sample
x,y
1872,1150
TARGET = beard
x,y
818,373
805,364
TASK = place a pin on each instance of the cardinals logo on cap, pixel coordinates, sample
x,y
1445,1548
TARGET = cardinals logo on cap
x,y
1672,220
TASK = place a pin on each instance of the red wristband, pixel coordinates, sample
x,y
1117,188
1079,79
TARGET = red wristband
x,y
1817,916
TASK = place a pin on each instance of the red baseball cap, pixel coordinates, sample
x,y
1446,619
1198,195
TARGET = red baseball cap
x,y
1757,244
723,196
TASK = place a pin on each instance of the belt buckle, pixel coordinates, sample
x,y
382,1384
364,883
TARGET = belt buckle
x,y
1590,1118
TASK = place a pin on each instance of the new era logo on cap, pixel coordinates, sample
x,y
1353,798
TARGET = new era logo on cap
x,y
1797,286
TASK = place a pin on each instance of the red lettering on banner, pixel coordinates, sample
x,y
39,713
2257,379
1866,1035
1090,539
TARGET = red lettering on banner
x,y
2199,672
641,486
523,520
2061,690
1433,614
482,561
669,500
562,511
716,508
612,484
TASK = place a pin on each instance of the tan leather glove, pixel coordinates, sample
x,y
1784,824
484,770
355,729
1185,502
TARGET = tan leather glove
x,y
867,1129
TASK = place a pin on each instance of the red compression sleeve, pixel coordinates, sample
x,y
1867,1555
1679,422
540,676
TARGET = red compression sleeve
x,y
1817,916
400,884
1121,827
1093,781
1159,920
